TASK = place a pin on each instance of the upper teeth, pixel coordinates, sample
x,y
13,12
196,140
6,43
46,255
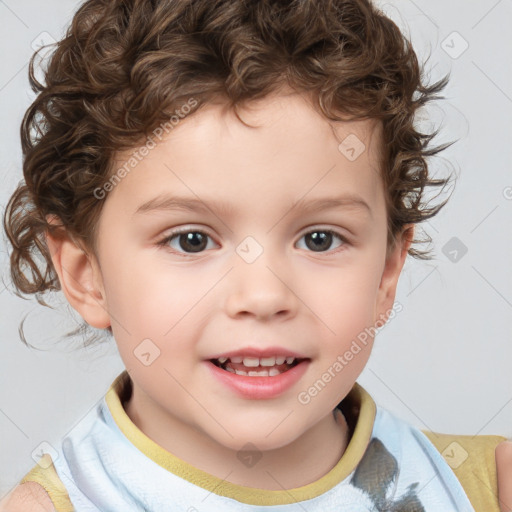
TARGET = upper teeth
x,y
255,361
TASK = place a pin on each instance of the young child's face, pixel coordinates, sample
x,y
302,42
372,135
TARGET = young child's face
x,y
256,281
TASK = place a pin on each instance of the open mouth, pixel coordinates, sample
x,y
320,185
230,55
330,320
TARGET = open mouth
x,y
256,367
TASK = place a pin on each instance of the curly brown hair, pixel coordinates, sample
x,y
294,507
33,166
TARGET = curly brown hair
x,y
124,66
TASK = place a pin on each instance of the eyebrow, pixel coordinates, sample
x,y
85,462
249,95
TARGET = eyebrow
x,y
171,203
348,201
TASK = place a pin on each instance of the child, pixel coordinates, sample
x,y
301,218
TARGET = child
x,y
256,132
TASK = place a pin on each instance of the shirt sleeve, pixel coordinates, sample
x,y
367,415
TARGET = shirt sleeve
x,y
473,461
44,474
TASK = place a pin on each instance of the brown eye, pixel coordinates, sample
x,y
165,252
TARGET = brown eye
x,y
320,240
192,242
188,242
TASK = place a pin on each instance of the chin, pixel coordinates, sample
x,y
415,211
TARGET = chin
x,y
258,438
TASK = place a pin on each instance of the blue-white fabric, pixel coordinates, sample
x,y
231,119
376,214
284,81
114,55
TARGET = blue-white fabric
x,y
104,472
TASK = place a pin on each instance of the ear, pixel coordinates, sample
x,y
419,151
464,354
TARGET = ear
x,y
395,260
79,275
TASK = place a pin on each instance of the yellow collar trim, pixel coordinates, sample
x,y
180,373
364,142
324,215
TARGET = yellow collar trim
x,y
354,452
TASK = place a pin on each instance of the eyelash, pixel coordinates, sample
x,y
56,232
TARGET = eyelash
x,y
165,241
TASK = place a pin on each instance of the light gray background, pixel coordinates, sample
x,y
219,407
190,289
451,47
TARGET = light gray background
x,y
443,363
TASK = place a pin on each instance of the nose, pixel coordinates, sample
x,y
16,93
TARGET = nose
x,y
261,289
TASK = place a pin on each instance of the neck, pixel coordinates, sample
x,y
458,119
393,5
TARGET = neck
x,y
299,463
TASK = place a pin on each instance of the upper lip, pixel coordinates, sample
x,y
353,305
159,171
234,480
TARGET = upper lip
x,y
260,353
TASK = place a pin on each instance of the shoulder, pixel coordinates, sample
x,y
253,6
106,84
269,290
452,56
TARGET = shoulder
x,y
27,497
473,460
40,490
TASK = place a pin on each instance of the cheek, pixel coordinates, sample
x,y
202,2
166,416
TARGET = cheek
x,y
346,296
143,290
148,298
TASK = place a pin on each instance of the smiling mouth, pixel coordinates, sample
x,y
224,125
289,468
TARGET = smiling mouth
x,y
254,367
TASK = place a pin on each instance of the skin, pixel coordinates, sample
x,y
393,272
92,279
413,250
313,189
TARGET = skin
x,y
504,475
194,306
27,497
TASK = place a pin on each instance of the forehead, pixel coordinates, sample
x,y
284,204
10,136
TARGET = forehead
x,y
289,153
277,121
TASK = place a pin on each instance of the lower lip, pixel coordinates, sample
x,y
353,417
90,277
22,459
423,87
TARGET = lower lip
x,y
260,388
